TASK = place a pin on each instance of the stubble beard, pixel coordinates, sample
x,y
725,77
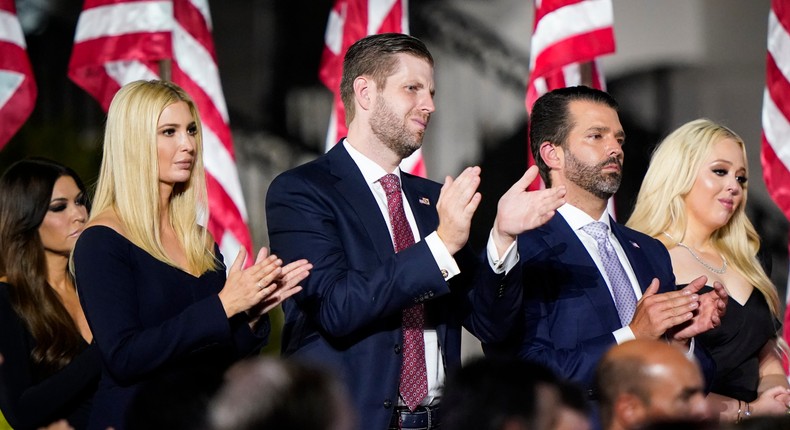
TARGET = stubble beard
x,y
590,177
392,131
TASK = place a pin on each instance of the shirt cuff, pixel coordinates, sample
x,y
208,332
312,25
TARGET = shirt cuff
x,y
623,335
443,258
506,262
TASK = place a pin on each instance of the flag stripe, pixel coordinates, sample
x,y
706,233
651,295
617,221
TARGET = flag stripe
x,y
17,86
570,22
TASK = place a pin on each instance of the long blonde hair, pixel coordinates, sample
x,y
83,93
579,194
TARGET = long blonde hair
x,y
129,175
660,205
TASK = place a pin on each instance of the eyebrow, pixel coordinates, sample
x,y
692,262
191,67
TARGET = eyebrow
x,y
618,133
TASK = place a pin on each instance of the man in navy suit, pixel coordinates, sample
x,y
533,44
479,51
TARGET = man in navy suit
x,y
337,212
579,284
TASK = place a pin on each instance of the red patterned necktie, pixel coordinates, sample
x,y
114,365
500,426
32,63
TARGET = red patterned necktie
x,y
414,376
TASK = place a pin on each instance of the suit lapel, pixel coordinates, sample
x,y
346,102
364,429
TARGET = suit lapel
x,y
352,187
635,255
422,206
559,235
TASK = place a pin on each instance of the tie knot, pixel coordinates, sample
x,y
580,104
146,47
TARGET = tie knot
x,y
598,230
391,183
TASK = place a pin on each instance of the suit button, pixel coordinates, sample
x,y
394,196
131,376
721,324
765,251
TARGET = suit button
x,y
397,349
387,404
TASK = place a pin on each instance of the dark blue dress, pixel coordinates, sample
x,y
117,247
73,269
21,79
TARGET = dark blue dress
x,y
29,398
156,326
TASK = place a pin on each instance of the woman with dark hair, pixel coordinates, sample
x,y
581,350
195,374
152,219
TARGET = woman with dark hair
x,y
50,372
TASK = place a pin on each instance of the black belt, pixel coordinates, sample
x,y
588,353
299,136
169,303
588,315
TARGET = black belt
x,y
423,418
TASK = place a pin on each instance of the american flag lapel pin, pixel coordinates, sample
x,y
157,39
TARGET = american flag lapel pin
x,y
634,244
425,201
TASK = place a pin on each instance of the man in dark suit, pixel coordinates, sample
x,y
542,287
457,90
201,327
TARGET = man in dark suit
x,y
392,280
589,282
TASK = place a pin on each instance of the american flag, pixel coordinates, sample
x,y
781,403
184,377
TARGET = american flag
x,y
17,86
349,21
119,41
567,38
776,114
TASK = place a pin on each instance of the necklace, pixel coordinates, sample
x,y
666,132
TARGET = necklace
x,y
703,263
700,260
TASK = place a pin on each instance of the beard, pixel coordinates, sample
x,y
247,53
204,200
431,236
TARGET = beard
x,y
392,131
591,179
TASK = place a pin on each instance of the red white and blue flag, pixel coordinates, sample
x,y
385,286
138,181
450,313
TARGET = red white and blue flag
x,y
120,41
17,86
349,21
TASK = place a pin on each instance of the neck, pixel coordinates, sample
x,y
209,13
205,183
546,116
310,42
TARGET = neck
x,y
697,236
589,203
57,271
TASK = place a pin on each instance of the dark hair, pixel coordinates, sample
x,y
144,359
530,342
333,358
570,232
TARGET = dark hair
x,y
25,194
619,375
489,392
550,119
272,393
375,56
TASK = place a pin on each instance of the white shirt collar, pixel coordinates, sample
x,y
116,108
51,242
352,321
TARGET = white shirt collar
x,y
371,171
577,218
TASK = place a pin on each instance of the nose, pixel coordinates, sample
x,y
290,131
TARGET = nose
x,y
613,147
426,104
79,214
187,142
733,186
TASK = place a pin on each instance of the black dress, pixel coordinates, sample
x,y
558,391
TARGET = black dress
x,y
735,345
163,334
30,399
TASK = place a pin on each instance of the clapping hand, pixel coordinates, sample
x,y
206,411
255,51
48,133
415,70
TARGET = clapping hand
x,y
520,210
264,282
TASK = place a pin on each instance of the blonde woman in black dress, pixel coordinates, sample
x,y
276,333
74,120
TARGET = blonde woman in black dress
x,y
692,199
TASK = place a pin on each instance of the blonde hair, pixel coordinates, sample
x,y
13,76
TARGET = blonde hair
x,y
129,175
660,205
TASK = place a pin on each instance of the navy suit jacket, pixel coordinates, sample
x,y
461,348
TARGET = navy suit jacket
x,y
348,316
569,314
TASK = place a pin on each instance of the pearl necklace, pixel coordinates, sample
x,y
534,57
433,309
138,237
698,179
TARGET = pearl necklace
x,y
700,260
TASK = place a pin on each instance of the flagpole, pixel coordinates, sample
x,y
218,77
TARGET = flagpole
x,y
166,69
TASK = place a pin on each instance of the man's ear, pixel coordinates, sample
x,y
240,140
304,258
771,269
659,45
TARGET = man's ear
x,y
629,411
363,87
552,155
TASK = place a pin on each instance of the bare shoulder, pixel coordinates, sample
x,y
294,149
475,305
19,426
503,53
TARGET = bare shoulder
x,y
108,218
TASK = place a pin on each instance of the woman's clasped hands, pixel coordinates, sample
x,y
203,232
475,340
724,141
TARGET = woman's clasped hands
x,y
261,287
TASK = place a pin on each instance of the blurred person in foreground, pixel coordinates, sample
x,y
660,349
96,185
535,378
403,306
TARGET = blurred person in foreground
x,y
498,393
693,199
272,393
643,381
150,278
50,369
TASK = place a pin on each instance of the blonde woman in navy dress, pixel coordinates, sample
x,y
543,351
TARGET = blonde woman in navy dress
x,y
150,278
692,199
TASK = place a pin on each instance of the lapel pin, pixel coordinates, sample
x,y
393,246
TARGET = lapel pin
x,y
425,201
634,244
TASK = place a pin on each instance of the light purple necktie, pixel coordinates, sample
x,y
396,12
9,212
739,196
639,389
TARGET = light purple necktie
x,y
623,291
414,374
